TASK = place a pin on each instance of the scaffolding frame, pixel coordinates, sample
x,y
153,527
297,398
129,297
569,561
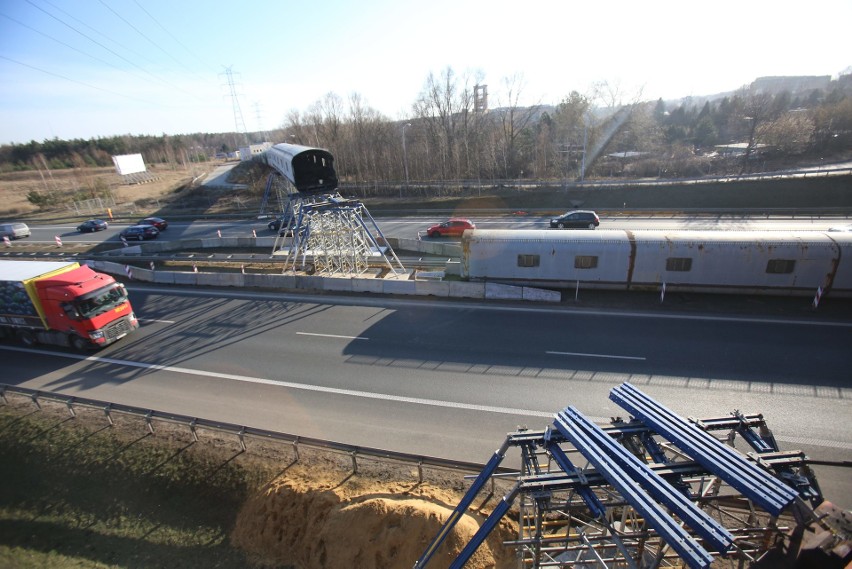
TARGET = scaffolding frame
x,y
330,235
655,491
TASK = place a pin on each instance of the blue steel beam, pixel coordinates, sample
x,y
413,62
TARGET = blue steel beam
x,y
485,529
697,519
723,461
592,502
666,526
463,505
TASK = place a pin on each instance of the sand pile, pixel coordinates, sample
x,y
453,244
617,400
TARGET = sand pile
x,y
293,521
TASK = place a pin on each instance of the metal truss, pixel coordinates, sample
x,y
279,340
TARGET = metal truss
x,y
656,491
332,235
277,189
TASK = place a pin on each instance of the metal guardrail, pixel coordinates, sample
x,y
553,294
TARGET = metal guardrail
x,y
242,432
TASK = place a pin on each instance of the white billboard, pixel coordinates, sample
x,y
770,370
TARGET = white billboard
x,y
129,164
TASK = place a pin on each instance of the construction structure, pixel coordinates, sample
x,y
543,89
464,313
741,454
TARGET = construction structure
x,y
320,230
658,490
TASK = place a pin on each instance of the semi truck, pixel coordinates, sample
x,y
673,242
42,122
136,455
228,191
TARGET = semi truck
x,y
62,303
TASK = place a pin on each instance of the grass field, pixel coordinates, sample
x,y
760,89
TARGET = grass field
x,y
78,493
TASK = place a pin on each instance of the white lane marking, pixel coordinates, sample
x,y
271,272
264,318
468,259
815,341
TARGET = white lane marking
x,y
369,395
606,356
292,385
332,336
153,320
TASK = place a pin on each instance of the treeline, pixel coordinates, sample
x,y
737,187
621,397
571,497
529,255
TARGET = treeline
x,y
449,137
78,153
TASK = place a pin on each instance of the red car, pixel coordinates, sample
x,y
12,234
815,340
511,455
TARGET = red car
x,y
453,227
157,222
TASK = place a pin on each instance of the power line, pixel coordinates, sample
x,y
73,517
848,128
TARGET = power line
x,y
79,21
149,40
170,34
69,46
69,26
75,81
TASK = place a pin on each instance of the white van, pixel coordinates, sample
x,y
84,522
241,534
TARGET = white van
x,y
14,230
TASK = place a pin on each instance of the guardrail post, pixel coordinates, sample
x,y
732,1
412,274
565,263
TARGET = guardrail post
x,y
3,395
242,436
148,421
70,404
192,430
107,410
354,462
34,397
296,448
420,472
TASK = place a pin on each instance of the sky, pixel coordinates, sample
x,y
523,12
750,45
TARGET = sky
x,y
97,68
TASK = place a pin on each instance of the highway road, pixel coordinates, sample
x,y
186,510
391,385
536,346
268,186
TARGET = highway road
x,y
450,379
409,226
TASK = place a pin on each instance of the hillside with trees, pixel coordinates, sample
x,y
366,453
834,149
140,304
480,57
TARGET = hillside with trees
x,y
585,136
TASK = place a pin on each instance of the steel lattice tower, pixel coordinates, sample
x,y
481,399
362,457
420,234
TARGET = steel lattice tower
x,y
333,235
239,123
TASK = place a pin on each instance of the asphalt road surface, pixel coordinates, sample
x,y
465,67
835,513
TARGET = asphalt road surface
x,y
450,379
408,227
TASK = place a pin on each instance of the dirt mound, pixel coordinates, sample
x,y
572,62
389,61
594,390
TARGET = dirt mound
x,y
295,522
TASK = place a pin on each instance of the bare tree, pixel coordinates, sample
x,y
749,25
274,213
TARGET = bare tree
x,y
755,108
569,134
513,120
441,108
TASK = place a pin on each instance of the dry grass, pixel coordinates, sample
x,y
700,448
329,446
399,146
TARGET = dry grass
x,y
80,494
81,184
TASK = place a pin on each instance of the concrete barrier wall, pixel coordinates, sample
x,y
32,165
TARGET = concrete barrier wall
x,y
462,289
503,292
367,285
398,286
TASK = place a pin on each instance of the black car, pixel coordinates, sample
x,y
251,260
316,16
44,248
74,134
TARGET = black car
x,y
92,225
157,222
577,219
279,222
139,232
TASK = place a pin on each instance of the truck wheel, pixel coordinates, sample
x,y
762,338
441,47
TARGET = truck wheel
x,y
27,338
78,343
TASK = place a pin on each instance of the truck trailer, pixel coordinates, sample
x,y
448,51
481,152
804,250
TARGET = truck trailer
x,y
62,303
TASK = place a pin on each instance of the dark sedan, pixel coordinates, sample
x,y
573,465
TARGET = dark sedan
x,y
157,222
92,225
139,232
281,225
577,219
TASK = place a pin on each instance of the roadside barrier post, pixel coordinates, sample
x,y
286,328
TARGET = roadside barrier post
x,y
817,298
663,293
